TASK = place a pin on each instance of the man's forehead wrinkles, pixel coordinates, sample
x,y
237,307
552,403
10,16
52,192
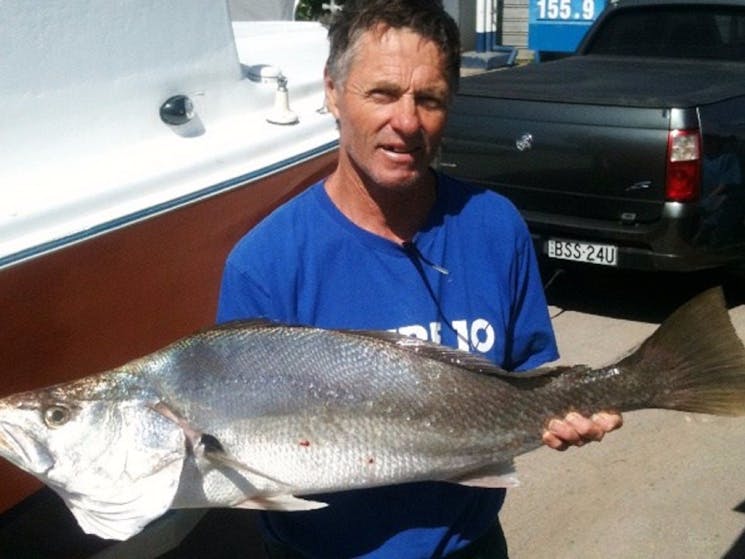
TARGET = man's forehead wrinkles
x,y
411,86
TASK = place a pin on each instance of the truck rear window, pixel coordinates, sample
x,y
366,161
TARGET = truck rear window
x,y
708,31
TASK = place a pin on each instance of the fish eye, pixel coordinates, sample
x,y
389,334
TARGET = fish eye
x,y
56,415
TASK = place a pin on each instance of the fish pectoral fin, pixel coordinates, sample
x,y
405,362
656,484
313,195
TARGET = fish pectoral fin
x,y
498,476
208,447
280,503
211,449
193,436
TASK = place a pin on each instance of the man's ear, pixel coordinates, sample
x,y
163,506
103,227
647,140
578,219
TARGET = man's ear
x,y
331,93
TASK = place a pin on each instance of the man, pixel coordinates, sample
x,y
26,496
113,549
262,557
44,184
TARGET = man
x,y
386,243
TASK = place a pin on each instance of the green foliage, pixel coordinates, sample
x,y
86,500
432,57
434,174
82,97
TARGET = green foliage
x,y
313,10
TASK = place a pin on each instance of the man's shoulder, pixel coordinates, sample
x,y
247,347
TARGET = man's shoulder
x,y
279,231
461,192
477,206
306,202
289,215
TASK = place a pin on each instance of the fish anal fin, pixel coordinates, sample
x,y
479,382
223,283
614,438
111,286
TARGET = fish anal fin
x,y
280,503
499,476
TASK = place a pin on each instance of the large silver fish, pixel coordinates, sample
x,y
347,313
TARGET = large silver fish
x,y
257,415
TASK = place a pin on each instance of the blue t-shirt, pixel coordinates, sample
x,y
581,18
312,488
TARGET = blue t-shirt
x,y
468,279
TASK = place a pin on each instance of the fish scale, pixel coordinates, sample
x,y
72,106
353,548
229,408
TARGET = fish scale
x,y
259,415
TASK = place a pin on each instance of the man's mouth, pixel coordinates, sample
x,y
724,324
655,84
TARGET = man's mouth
x,y
402,150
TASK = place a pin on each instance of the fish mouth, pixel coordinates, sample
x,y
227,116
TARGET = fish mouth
x,y
22,450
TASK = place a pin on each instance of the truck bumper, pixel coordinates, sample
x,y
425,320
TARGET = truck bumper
x,y
673,243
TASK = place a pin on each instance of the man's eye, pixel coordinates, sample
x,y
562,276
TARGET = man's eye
x,y
382,96
431,103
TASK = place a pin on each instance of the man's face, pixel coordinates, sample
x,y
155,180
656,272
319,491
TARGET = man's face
x,y
391,109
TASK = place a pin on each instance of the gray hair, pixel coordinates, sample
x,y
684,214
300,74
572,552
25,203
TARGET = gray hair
x,y
427,18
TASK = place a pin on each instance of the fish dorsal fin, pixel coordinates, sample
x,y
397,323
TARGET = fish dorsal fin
x,y
431,350
425,349
524,380
247,323
456,357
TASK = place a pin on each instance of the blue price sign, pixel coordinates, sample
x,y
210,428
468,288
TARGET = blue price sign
x,y
566,10
559,25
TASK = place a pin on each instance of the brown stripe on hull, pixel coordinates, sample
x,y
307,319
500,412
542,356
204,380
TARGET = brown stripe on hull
x,y
97,304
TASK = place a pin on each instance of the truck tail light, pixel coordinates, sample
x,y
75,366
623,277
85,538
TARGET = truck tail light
x,y
682,177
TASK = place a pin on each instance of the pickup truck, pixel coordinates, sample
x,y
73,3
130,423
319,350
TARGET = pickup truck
x,y
629,152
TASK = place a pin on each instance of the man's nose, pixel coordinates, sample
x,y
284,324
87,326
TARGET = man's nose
x,y
405,118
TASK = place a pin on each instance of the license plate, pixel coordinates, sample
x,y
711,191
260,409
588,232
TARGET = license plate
x,y
576,251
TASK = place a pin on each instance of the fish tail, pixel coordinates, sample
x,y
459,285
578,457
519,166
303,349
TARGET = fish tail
x,y
694,361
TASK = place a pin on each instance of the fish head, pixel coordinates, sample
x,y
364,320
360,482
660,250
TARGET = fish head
x,y
114,461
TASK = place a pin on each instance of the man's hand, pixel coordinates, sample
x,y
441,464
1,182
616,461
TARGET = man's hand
x,y
576,429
